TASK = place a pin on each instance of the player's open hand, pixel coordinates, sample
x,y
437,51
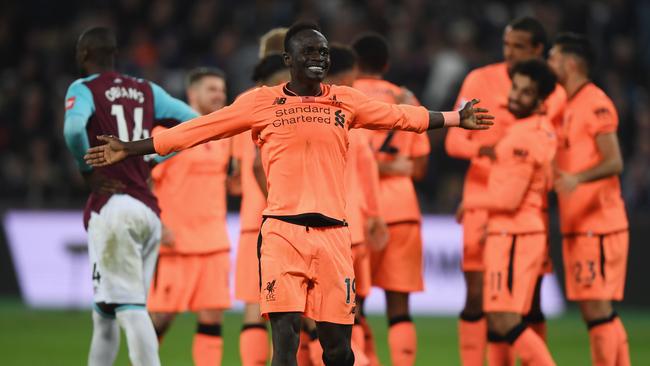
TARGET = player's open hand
x,y
475,118
110,153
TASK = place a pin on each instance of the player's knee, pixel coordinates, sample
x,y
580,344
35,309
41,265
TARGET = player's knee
x,y
596,309
338,353
503,323
285,330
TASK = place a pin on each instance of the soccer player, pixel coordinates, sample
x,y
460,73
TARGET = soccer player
x,y
515,249
592,213
253,339
523,39
367,229
402,157
194,262
304,248
123,228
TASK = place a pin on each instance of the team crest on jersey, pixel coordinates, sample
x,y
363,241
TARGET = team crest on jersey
x,y
270,291
69,103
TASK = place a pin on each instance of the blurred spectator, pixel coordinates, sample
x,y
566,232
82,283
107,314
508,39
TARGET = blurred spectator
x,y
433,45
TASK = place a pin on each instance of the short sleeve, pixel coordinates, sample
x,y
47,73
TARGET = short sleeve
x,y
602,119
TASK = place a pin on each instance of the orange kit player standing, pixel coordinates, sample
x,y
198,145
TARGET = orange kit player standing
x,y
592,213
304,248
402,157
523,39
254,347
193,267
515,199
367,229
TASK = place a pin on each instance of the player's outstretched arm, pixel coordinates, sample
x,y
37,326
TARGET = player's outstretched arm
x,y
469,118
116,150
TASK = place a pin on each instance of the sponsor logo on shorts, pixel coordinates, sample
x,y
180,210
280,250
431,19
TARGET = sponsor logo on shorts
x,y
270,291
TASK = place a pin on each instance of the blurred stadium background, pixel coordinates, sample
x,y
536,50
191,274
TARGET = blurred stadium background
x,y
434,45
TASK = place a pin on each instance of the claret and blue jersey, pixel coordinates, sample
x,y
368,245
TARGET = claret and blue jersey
x,y
114,104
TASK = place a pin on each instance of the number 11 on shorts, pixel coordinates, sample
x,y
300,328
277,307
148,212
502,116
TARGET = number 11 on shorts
x,y
350,284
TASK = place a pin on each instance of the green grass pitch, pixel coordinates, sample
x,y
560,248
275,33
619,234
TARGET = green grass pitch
x,y
52,338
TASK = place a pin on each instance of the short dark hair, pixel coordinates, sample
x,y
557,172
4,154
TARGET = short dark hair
x,y
372,50
297,28
342,59
532,26
195,75
100,43
268,66
577,45
540,73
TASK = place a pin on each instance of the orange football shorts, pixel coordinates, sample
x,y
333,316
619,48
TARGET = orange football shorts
x,y
308,270
595,265
512,266
398,267
474,226
190,282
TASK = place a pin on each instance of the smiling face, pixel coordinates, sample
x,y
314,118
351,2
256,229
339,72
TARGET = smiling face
x,y
308,56
523,99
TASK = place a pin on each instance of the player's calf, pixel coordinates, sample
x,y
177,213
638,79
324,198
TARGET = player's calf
x,y
335,339
285,329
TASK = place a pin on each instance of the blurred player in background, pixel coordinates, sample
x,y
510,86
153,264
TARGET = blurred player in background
x,y
523,39
592,213
193,266
254,344
304,250
367,228
402,157
121,214
515,250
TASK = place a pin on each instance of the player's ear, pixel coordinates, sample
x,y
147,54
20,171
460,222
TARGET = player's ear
x,y
286,58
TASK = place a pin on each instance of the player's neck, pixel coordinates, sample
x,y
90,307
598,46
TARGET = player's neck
x,y
92,69
304,89
574,84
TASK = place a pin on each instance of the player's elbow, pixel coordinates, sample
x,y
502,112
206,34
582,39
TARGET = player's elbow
x,y
617,166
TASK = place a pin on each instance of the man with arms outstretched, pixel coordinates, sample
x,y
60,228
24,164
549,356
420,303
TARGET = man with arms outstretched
x,y
304,248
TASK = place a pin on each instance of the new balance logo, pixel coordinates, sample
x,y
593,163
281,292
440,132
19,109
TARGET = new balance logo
x,y
279,100
335,102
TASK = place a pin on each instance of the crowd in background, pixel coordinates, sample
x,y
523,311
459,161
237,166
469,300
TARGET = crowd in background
x,y
433,46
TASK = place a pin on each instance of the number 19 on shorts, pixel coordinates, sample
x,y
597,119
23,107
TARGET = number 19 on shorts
x,y
350,284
